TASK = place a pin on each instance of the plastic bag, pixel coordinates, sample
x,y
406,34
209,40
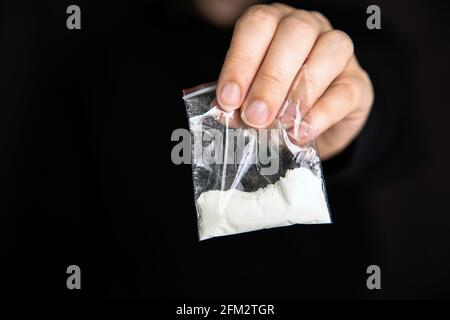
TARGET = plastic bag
x,y
247,179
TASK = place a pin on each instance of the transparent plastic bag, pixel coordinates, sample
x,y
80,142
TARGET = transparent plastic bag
x,y
247,179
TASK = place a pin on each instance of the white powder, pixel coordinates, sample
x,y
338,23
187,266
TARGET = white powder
x,y
296,198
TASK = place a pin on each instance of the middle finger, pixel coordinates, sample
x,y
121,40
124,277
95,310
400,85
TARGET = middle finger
x,y
290,46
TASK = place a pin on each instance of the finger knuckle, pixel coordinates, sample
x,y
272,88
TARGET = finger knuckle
x,y
357,89
367,87
277,4
260,14
318,15
349,91
240,58
302,15
300,22
365,77
273,78
341,39
321,18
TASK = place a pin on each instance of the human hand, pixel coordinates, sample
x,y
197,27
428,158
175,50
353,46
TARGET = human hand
x,y
277,52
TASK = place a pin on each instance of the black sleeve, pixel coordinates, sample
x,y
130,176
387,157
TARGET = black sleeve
x,y
393,141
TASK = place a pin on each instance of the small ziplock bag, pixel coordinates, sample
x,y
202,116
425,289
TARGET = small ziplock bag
x,y
247,179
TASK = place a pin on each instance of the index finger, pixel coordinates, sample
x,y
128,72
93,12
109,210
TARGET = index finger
x,y
251,38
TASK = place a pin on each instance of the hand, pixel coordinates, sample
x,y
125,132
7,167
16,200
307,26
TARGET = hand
x,y
278,51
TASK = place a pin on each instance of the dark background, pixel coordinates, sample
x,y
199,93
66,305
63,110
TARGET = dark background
x,y
412,213
58,103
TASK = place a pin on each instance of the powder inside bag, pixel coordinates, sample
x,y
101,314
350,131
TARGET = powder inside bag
x,y
298,198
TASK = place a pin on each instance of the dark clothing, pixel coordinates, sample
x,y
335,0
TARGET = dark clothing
x,y
86,121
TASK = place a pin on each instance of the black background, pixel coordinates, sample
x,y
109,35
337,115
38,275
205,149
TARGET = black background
x,y
60,98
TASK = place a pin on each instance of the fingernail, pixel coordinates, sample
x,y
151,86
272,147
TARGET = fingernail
x,y
290,113
256,113
299,133
230,95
